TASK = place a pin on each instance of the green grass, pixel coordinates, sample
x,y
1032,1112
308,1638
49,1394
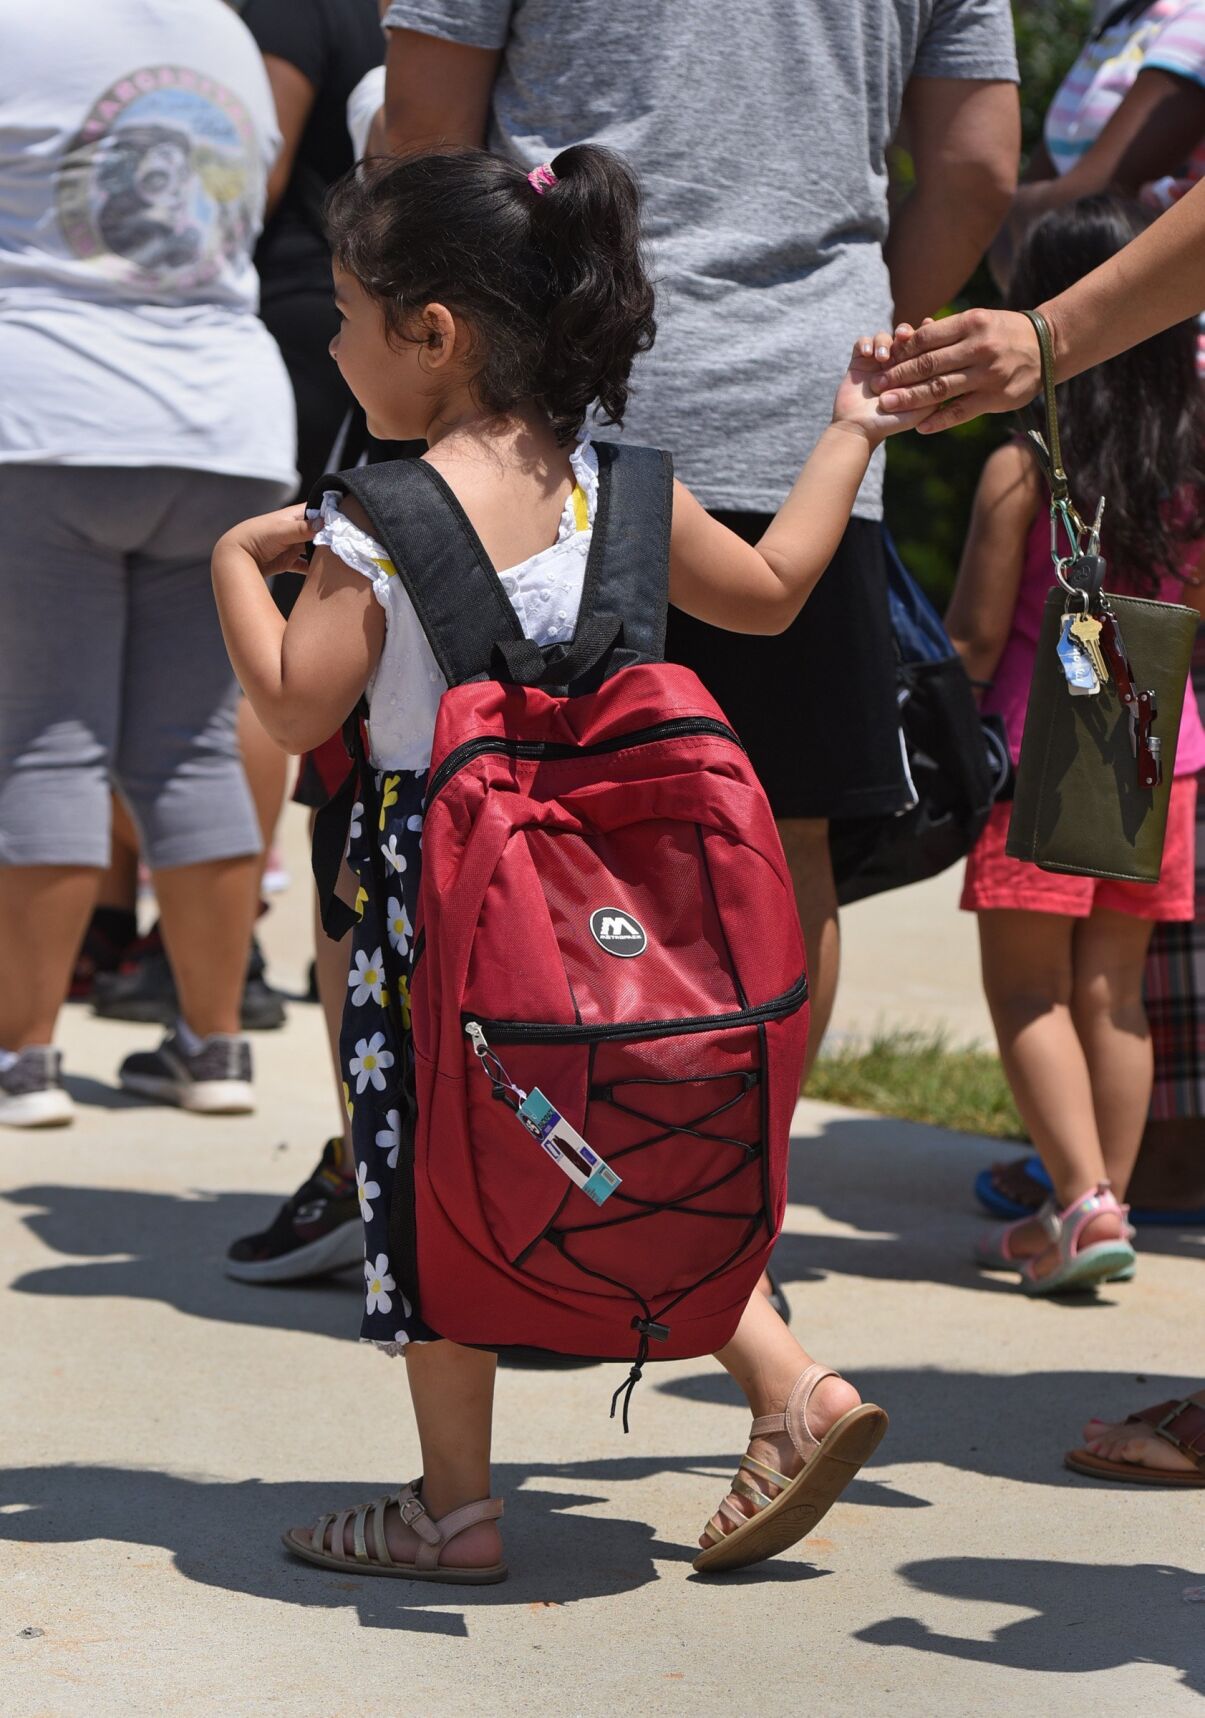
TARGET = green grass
x,y
919,1077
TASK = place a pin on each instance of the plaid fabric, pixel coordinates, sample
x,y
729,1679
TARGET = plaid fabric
x,y
1175,982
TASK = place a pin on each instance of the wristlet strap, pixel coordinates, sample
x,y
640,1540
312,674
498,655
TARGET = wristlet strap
x,y
1051,447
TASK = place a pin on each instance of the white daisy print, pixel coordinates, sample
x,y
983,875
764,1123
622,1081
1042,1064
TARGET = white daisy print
x,y
397,925
414,824
390,1137
366,1190
396,861
356,826
365,978
402,1337
378,1283
370,1062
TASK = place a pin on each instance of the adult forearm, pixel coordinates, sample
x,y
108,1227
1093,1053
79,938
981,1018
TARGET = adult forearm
x,y
936,239
987,360
1156,281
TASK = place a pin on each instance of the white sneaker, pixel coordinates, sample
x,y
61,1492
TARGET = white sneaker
x,y
31,1090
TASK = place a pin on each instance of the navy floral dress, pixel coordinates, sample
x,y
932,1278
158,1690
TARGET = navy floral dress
x,y
385,853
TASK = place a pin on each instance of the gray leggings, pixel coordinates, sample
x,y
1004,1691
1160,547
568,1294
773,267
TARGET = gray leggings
x,y
112,666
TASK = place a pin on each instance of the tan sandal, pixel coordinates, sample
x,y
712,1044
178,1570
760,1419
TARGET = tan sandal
x,y
435,1537
797,1504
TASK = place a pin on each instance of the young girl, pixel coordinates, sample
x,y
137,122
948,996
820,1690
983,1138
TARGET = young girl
x,y
484,310
1063,956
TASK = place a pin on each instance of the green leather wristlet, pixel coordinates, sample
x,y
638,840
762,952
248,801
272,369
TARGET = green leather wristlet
x,y
1079,805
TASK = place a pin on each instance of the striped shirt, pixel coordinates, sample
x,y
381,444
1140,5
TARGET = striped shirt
x,y
1167,36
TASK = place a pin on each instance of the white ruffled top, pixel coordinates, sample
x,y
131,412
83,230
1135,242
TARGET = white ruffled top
x,y
545,592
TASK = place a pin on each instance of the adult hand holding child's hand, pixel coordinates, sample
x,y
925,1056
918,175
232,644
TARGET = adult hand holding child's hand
x,y
956,369
858,406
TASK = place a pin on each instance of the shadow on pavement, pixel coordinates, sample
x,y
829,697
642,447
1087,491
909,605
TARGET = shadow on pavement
x,y
178,1245
95,1094
979,1422
227,1534
1091,1617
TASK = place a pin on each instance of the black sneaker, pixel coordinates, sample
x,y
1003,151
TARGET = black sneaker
x,y
316,1232
144,990
216,1081
263,1008
31,1093
106,946
141,989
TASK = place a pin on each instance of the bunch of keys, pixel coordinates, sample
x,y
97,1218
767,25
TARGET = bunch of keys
x,y
1092,650
1080,655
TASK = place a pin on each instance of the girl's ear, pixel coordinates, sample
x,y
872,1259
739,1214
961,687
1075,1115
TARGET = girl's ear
x,y
441,336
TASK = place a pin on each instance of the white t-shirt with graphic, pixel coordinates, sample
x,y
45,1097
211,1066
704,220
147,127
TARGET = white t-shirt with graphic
x,y
135,143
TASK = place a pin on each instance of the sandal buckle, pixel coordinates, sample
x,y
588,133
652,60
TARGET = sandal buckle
x,y
411,1510
1173,1413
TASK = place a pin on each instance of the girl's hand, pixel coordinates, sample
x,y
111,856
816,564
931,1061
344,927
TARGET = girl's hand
x,y
858,406
275,540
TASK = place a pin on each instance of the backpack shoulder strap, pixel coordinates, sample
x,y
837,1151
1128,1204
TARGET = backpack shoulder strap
x,y
457,595
627,573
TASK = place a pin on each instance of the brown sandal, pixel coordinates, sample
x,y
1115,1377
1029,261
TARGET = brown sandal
x,y
799,1503
1181,1424
435,1537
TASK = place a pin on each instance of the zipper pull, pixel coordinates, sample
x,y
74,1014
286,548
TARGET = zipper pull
x,y
476,1038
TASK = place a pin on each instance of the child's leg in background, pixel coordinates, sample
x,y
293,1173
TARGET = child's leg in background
x,y
1029,980
1110,952
331,962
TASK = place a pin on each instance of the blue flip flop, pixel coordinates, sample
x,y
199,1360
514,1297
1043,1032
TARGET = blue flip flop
x,y
1000,1205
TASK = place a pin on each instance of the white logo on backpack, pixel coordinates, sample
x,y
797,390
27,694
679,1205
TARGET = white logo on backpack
x,y
618,932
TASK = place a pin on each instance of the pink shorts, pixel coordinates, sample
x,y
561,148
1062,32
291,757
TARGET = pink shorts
x,y
993,880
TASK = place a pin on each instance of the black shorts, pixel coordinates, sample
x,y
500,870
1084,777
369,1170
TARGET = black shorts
x,y
816,706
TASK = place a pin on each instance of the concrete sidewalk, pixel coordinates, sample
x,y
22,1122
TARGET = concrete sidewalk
x,y
161,1425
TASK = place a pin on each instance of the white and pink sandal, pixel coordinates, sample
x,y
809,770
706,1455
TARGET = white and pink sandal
x,y
1078,1267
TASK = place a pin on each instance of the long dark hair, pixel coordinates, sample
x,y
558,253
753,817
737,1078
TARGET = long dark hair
x,y
1133,429
552,284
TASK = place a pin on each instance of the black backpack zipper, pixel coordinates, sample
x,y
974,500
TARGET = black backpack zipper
x,y
523,1032
677,727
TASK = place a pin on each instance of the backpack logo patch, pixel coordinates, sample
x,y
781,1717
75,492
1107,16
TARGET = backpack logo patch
x,y
618,932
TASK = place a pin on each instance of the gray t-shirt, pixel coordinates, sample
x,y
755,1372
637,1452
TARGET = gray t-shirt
x,y
760,134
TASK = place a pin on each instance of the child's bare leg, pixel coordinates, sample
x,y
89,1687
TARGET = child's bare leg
x,y
1028,978
452,1389
1110,1018
765,1360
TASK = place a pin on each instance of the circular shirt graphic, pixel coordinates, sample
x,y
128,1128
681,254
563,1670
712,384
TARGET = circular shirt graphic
x,y
616,931
163,186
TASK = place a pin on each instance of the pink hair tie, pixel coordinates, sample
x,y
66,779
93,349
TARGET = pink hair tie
x,y
541,179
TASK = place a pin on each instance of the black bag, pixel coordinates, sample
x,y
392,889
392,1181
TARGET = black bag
x,y
956,761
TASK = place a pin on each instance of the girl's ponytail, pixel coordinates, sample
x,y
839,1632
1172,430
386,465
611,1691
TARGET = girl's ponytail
x,y
586,222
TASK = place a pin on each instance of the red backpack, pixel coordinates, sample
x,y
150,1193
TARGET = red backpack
x,y
609,1001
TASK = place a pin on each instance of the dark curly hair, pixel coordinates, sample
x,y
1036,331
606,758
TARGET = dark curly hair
x,y
553,285
1132,429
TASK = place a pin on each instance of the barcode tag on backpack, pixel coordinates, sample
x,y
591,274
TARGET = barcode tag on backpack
x,y
566,1147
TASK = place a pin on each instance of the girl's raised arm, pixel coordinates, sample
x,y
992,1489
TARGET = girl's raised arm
x,y
303,679
717,578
